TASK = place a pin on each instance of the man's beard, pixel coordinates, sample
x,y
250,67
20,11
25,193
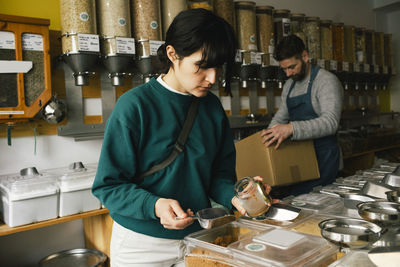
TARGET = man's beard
x,y
302,74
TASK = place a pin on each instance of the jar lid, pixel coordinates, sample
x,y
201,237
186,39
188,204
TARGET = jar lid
x,y
264,10
298,15
265,7
326,22
312,18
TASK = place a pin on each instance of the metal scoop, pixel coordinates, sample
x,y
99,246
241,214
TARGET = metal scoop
x,y
212,217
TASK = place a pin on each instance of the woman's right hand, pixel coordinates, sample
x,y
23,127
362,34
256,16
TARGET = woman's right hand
x,y
168,210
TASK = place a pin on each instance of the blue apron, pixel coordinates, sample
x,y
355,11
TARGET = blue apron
x,y
326,148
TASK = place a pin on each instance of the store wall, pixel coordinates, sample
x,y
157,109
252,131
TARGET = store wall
x,y
25,249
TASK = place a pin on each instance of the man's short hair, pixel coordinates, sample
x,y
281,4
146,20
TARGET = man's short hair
x,y
290,46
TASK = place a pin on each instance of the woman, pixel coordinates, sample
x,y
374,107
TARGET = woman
x,y
141,132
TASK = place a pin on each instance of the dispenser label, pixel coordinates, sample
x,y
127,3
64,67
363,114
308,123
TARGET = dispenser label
x,y
345,66
88,42
32,42
7,40
226,102
238,56
271,49
262,102
255,58
244,103
366,68
321,63
125,45
333,65
154,45
252,47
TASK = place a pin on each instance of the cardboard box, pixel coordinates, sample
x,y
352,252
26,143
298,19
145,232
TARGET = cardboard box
x,y
292,162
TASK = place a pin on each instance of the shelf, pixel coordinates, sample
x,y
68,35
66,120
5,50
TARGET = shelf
x,y
6,230
371,151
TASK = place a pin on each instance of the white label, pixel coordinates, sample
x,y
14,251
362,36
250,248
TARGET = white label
x,y
360,56
88,42
321,63
262,102
226,102
8,112
7,40
345,66
255,58
238,56
333,65
366,68
32,42
252,47
376,69
154,45
244,102
271,49
385,70
356,67
84,16
125,45
286,26
272,61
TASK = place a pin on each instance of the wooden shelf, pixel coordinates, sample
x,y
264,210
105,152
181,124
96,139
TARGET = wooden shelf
x,y
6,230
371,151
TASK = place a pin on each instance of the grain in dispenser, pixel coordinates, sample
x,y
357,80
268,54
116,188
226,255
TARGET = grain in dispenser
x,y
146,19
117,46
80,42
379,47
360,44
246,25
338,41
326,39
265,30
297,21
349,44
226,10
169,9
281,24
370,47
312,31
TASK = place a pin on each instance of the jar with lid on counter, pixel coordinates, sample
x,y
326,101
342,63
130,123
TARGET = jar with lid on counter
x,y
326,39
281,24
246,25
146,15
252,196
338,41
226,10
297,21
312,31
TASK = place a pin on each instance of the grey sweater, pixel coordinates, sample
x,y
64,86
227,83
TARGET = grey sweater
x,y
326,97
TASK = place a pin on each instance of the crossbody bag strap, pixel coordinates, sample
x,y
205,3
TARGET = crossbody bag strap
x,y
179,144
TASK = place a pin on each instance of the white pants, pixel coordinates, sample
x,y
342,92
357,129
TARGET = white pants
x,y
129,249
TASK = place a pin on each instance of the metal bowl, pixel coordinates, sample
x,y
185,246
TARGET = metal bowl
x,y
351,233
391,179
382,212
377,190
393,196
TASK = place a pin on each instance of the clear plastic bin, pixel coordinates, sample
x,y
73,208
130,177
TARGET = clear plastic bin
x,y
28,198
314,201
354,259
310,225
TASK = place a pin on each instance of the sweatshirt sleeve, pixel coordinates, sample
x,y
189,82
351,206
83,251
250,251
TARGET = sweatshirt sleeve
x,y
329,100
114,185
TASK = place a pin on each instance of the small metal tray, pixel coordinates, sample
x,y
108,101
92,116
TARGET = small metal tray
x,y
393,196
382,212
351,233
377,190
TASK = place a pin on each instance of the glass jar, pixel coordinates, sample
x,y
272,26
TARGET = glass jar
x,y
252,196
312,31
387,42
146,24
170,8
206,4
349,44
246,25
77,16
338,41
114,21
370,47
360,44
265,29
281,24
226,10
326,39
379,46
297,25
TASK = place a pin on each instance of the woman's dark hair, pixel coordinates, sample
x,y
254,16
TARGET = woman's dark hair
x,y
195,29
289,46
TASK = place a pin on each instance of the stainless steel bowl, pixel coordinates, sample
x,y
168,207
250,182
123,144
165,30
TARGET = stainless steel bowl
x,y
393,196
351,233
377,190
382,212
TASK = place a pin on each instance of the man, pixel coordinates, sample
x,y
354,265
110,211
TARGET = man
x,y
311,108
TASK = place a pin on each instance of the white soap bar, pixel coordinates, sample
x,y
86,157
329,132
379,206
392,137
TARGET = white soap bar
x,y
282,239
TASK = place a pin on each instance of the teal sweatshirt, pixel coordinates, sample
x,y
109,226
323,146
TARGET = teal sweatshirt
x,y
140,133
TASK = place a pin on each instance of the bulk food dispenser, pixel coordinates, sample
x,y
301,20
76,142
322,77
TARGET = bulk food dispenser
x,y
146,19
117,46
80,42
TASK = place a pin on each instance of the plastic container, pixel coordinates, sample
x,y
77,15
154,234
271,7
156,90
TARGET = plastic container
x,y
297,21
265,29
169,9
280,247
338,41
370,47
226,10
246,25
281,24
312,31
360,45
310,224
379,48
75,183
326,39
354,259
349,44
209,247
28,198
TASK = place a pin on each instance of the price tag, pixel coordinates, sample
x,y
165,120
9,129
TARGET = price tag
x,y
88,42
366,68
154,45
376,69
125,45
7,40
321,63
333,65
238,56
356,67
33,42
255,58
345,66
